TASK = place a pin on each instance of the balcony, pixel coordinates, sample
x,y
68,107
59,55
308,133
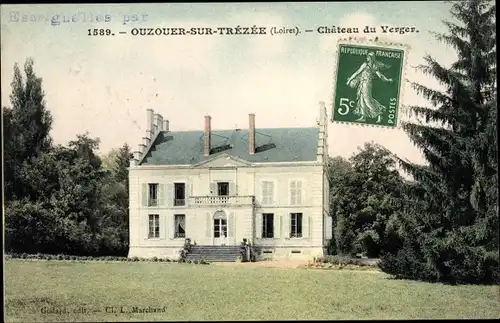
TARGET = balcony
x,y
221,200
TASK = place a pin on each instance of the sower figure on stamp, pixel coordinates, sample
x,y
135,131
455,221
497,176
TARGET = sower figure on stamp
x,y
362,81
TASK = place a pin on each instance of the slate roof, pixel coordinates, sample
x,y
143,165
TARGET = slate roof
x,y
271,145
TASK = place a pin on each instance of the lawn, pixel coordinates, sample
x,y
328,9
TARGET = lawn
x,y
215,292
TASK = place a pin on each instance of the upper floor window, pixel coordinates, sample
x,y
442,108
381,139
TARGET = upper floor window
x,y
223,188
153,195
296,225
179,194
295,192
267,192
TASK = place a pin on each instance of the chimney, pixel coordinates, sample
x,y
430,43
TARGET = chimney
x,y
151,124
165,125
208,130
159,122
251,133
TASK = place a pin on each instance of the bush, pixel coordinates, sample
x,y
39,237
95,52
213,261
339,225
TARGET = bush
x,y
461,266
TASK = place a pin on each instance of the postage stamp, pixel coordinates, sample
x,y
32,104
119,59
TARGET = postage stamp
x,y
368,84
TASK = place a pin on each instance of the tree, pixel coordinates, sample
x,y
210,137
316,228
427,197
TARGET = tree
x,y
115,201
364,195
449,225
26,125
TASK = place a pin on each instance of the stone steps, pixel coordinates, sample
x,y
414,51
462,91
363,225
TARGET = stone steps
x,y
214,253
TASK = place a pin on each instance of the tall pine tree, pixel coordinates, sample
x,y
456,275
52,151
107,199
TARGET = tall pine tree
x,y
449,229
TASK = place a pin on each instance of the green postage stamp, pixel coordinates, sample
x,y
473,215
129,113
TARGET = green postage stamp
x,y
368,84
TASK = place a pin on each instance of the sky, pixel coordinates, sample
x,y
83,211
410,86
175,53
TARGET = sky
x,y
104,84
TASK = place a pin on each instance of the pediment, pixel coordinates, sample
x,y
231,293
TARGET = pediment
x,y
223,161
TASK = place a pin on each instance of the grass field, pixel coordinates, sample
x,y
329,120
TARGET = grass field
x,y
215,292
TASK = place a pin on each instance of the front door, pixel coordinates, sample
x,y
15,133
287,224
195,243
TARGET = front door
x,y
220,231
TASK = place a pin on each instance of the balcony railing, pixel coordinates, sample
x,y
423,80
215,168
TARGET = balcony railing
x,y
221,200
179,202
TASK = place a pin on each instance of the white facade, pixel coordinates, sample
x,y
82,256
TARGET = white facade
x,y
280,207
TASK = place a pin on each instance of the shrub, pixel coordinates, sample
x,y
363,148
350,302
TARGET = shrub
x,y
155,259
24,255
135,258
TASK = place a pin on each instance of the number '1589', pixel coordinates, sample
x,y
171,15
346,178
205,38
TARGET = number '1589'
x,y
99,32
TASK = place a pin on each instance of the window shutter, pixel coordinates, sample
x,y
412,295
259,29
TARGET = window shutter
x,y
144,226
213,188
169,194
232,188
163,226
161,194
208,231
277,226
144,194
305,226
258,225
230,225
298,192
287,226
328,227
271,193
170,225
293,193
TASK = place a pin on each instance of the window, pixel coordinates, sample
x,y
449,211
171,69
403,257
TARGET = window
x,y
153,195
180,226
267,225
179,194
223,188
267,192
154,226
220,228
295,192
296,225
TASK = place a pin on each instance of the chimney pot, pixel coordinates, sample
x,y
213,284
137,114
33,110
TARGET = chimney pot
x,y
150,123
251,133
159,122
208,129
165,125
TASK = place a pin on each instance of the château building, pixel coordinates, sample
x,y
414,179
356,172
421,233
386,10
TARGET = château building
x,y
218,187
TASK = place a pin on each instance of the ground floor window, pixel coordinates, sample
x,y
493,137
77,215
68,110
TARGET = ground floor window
x,y
154,226
220,228
180,226
296,225
267,225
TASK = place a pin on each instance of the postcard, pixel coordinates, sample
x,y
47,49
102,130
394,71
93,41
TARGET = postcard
x,y
249,161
